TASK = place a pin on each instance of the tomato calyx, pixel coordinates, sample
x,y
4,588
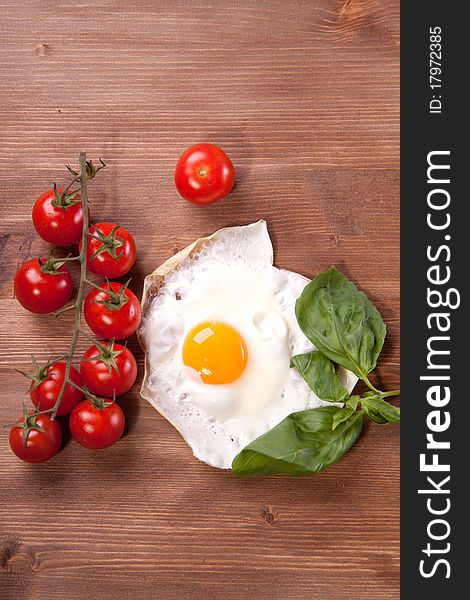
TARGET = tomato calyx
x,y
91,169
116,300
98,402
51,266
107,355
65,199
29,423
40,373
109,243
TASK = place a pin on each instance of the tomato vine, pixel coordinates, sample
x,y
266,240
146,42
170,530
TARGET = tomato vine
x,y
87,171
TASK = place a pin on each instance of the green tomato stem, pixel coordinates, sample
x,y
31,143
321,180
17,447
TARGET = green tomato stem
x,y
68,258
62,310
77,387
81,289
97,287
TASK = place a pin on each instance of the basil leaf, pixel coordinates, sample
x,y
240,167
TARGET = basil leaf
x,y
379,410
353,402
342,415
302,443
320,375
374,415
341,322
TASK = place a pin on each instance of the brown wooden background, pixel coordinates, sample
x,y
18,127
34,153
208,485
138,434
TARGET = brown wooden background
x,y
303,95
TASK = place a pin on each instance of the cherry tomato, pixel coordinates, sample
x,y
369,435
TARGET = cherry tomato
x,y
39,291
112,315
111,370
204,174
57,221
97,423
49,383
40,445
111,252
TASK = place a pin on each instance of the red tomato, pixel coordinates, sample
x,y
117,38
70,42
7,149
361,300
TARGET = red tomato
x,y
204,174
112,370
97,423
40,445
42,292
111,252
50,382
116,315
57,222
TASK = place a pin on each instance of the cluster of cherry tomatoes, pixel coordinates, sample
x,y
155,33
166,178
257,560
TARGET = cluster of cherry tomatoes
x,y
203,175
111,310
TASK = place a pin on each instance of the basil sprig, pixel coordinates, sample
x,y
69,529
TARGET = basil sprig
x,y
347,330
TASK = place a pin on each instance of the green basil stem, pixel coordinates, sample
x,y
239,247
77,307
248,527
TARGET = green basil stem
x,y
389,394
370,386
378,392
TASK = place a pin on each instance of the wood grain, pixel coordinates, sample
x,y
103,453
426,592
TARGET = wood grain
x,y
304,96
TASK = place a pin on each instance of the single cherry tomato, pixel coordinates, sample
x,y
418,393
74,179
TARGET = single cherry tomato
x,y
97,423
58,218
108,369
42,286
111,251
47,383
113,312
35,438
204,174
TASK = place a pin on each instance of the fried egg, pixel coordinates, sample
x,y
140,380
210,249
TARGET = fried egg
x,y
218,332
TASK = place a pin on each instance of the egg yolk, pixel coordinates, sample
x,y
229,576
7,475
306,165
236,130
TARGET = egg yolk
x,y
216,351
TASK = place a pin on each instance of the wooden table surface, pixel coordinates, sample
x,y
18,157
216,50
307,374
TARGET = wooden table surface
x,y
304,96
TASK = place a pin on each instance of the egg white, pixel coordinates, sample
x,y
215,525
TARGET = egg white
x,y
229,277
